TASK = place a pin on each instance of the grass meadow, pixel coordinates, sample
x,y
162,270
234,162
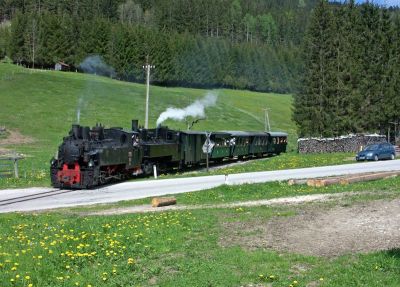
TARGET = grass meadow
x,y
44,104
178,248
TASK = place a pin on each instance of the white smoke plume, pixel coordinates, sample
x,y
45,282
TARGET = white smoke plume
x,y
197,109
78,115
78,110
96,65
91,65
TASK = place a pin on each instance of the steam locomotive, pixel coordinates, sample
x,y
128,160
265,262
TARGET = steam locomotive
x,y
91,157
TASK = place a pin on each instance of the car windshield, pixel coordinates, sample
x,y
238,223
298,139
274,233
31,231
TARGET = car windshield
x,y
372,147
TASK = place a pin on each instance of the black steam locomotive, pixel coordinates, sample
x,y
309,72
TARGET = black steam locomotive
x,y
90,157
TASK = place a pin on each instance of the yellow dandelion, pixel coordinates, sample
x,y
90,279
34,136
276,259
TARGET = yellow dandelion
x,y
27,277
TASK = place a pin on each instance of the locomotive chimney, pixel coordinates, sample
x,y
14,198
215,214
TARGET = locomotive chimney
x,y
135,124
77,132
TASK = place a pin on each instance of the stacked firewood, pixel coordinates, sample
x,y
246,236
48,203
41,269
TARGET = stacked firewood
x,y
350,143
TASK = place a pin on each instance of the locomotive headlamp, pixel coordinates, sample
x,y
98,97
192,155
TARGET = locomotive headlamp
x,y
91,163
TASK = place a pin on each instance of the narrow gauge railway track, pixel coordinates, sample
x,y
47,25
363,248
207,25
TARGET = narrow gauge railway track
x,y
29,197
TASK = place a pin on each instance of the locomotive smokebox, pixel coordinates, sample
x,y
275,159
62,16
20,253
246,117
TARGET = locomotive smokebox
x,y
135,125
77,131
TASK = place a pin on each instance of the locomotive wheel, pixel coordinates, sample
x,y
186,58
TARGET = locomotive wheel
x,y
147,167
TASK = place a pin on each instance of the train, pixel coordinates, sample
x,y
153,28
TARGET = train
x,y
89,157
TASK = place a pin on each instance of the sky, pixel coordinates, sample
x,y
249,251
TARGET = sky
x,y
381,2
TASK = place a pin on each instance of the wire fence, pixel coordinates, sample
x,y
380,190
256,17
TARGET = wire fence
x,y
9,166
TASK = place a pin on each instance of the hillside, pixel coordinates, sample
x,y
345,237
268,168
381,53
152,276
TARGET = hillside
x,y
42,105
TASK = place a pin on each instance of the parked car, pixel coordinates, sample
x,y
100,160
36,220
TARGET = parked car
x,y
377,152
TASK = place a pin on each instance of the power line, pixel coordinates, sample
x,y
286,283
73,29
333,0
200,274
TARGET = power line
x,y
267,126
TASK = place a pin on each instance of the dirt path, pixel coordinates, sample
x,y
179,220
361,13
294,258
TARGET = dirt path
x,y
360,228
267,202
14,138
315,230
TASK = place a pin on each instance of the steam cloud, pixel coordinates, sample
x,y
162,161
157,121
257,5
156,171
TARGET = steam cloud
x,y
78,110
197,109
91,65
96,65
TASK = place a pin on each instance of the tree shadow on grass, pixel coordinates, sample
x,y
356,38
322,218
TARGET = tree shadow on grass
x,y
394,253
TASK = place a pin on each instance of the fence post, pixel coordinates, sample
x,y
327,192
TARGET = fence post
x,y
16,168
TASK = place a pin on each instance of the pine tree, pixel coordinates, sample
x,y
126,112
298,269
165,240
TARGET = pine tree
x,y
311,106
392,99
371,67
5,34
18,27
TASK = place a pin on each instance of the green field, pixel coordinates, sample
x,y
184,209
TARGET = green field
x,y
188,248
44,104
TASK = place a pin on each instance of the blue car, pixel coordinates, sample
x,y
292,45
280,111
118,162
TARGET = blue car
x,y
376,152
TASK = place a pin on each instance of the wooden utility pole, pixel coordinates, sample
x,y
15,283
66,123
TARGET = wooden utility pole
x,y
395,131
147,67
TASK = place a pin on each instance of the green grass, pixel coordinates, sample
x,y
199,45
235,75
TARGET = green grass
x,y
247,192
288,160
4,135
167,249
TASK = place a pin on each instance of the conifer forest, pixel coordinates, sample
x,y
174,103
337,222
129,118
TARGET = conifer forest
x,y
340,60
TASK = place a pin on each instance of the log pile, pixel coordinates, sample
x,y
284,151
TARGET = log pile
x,y
344,180
350,143
368,177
